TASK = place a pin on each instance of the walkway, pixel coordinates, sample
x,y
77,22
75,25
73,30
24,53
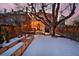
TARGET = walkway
x,y
48,46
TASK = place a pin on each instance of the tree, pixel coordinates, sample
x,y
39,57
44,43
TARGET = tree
x,y
53,23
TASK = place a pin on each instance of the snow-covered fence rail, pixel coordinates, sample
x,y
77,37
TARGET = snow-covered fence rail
x,y
21,50
7,47
16,48
13,49
11,44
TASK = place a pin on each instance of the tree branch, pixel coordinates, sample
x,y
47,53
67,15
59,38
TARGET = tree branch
x,y
57,11
42,19
44,13
53,10
71,14
35,14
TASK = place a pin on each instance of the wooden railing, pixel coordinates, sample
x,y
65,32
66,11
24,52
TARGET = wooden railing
x,y
21,49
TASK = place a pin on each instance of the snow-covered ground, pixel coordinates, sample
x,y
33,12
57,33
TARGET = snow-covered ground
x,y
48,46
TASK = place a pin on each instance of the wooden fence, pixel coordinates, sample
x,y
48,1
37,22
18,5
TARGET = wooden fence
x,y
69,31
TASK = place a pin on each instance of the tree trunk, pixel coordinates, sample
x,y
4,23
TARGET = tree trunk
x,y
52,30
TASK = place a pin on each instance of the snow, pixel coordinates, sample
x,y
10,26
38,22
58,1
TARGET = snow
x,y
48,46
30,37
13,49
11,41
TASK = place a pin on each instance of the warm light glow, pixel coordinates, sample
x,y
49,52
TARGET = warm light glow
x,y
37,25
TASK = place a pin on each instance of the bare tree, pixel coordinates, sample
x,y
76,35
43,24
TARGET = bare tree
x,y
55,10
53,23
